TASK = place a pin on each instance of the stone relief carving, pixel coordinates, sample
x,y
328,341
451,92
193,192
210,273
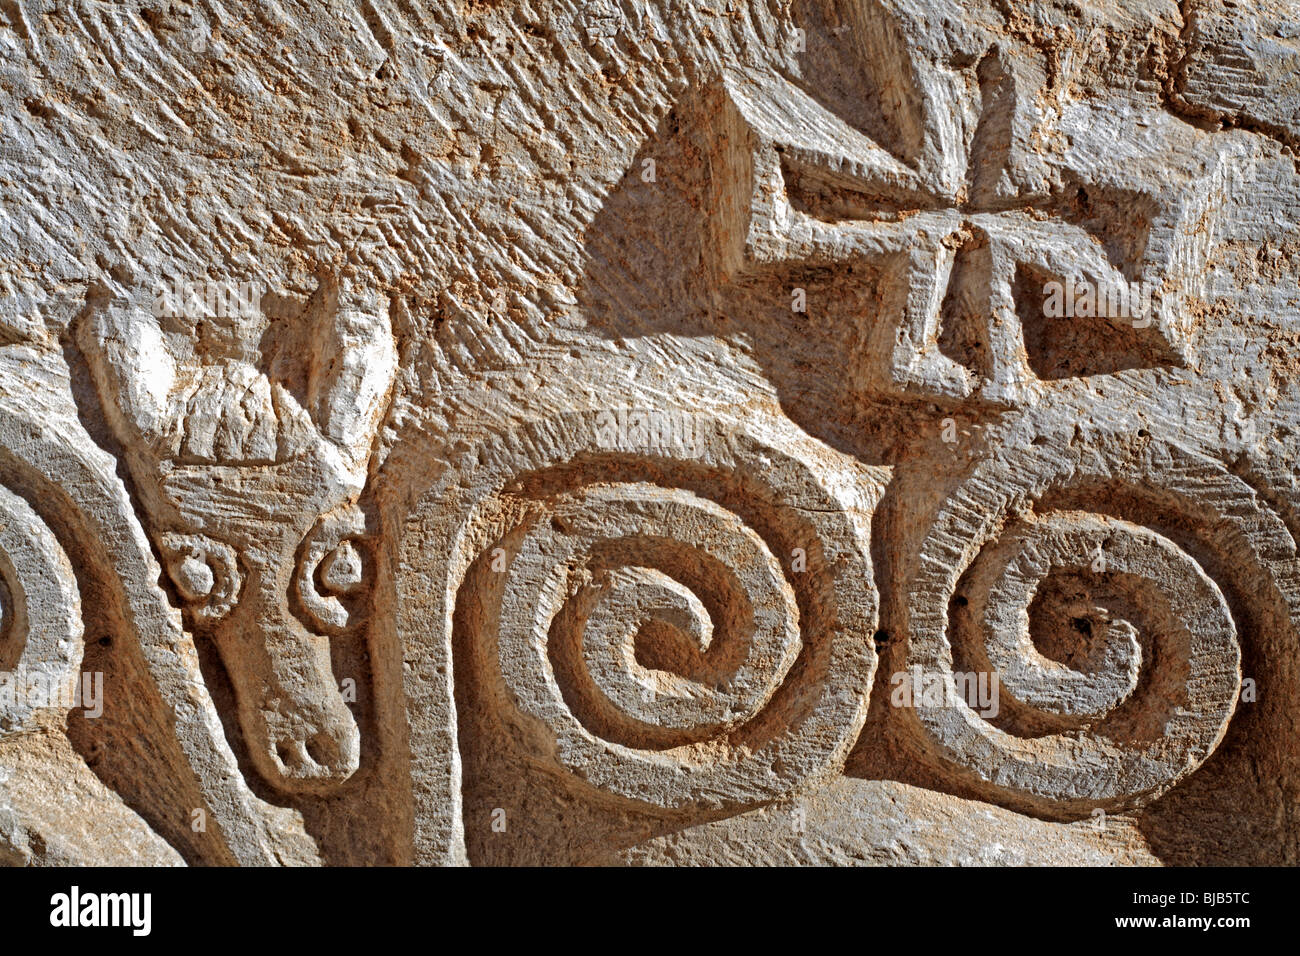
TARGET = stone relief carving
x,y
40,623
963,233
641,460
242,429
1153,644
681,634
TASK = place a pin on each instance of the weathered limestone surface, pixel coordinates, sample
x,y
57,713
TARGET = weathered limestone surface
x,y
688,432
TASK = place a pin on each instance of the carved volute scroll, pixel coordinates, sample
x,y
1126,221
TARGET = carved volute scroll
x,y
40,616
672,631
1085,580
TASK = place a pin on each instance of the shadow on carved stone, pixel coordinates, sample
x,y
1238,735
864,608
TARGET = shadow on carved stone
x,y
572,570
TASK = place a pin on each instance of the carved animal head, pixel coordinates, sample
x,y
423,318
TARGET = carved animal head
x,y
241,431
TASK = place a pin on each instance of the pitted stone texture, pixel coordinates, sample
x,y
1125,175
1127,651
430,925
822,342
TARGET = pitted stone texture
x,y
765,534
544,433
883,823
1191,679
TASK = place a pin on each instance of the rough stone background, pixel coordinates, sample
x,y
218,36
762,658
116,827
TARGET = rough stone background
x,y
481,233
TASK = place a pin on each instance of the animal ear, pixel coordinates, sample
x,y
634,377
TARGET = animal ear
x,y
352,364
133,369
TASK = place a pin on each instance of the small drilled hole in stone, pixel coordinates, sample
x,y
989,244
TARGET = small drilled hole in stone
x,y
318,750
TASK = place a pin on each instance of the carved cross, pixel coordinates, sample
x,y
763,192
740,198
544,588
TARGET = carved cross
x,y
966,246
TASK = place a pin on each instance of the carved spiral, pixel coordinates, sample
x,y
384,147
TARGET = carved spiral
x,y
1079,582
205,572
677,639
331,567
40,627
609,592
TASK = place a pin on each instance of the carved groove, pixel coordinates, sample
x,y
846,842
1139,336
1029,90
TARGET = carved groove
x,y
1118,655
